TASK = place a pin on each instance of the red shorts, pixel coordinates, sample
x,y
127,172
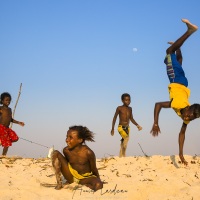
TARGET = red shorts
x,y
7,136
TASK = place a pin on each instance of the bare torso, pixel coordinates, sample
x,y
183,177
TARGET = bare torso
x,y
125,113
5,116
79,159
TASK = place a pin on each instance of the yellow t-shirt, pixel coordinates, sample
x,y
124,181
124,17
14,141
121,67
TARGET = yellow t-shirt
x,y
179,95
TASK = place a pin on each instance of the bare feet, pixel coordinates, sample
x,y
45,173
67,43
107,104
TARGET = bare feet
x,y
183,159
191,27
170,42
59,187
2,156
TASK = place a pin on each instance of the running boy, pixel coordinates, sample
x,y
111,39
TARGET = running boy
x,y
125,116
79,162
178,91
7,135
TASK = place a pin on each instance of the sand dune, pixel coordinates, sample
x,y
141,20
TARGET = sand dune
x,y
131,178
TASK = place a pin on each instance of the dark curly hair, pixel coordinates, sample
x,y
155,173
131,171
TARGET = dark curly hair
x,y
125,95
196,110
4,95
83,133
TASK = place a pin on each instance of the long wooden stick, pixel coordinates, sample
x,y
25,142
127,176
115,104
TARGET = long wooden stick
x,y
13,114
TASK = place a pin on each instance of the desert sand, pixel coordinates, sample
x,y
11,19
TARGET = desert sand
x,y
132,178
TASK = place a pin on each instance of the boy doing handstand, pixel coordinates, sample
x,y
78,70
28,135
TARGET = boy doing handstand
x,y
125,116
7,135
79,162
178,91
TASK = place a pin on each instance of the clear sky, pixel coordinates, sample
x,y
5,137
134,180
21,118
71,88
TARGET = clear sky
x,y
76,58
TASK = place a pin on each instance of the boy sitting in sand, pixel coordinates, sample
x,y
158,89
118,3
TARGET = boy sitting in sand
x,y
178,91
125,116
79,162
7,135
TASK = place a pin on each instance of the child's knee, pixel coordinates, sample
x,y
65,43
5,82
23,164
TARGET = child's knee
x,y
98,185
55,154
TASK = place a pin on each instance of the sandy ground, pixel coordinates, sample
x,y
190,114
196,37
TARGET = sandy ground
x,y
132,178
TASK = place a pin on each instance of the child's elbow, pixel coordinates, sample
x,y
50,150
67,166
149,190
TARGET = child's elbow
x,y
157,104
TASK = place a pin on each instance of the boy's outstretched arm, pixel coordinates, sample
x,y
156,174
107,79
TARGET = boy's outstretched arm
x,y
17,122
181,140
114,120
158,106
134,122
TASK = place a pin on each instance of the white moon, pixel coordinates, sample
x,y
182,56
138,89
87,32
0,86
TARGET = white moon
x,y
135,49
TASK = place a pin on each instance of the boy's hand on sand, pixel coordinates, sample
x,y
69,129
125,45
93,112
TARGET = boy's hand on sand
x,y
112,132
139,127
155,130
183,159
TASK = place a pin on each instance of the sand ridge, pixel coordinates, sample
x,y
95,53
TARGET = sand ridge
x,y
132,178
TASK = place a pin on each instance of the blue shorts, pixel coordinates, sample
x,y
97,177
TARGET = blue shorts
x,y
174,70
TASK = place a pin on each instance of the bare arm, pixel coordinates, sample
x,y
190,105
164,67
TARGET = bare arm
x,y
181,143
134,122
114,120
92,161
17,122
158,106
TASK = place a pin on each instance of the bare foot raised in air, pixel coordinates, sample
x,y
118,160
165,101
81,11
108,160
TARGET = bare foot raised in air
x,y
191,27
170,42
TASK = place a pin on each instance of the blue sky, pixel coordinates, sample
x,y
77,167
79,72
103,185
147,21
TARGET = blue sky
x,y
76,58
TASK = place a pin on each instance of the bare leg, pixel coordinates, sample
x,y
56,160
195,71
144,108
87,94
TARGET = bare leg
x,y
93,183
5,150
123,147
57,168
120,152
178,43
178,53
60,165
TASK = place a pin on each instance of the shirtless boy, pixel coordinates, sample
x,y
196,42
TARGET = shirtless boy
x,y
79,162
178,90
7,135
125,116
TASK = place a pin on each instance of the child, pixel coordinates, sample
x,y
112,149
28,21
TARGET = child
x,y
178,91
7,135
79,162
125,116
